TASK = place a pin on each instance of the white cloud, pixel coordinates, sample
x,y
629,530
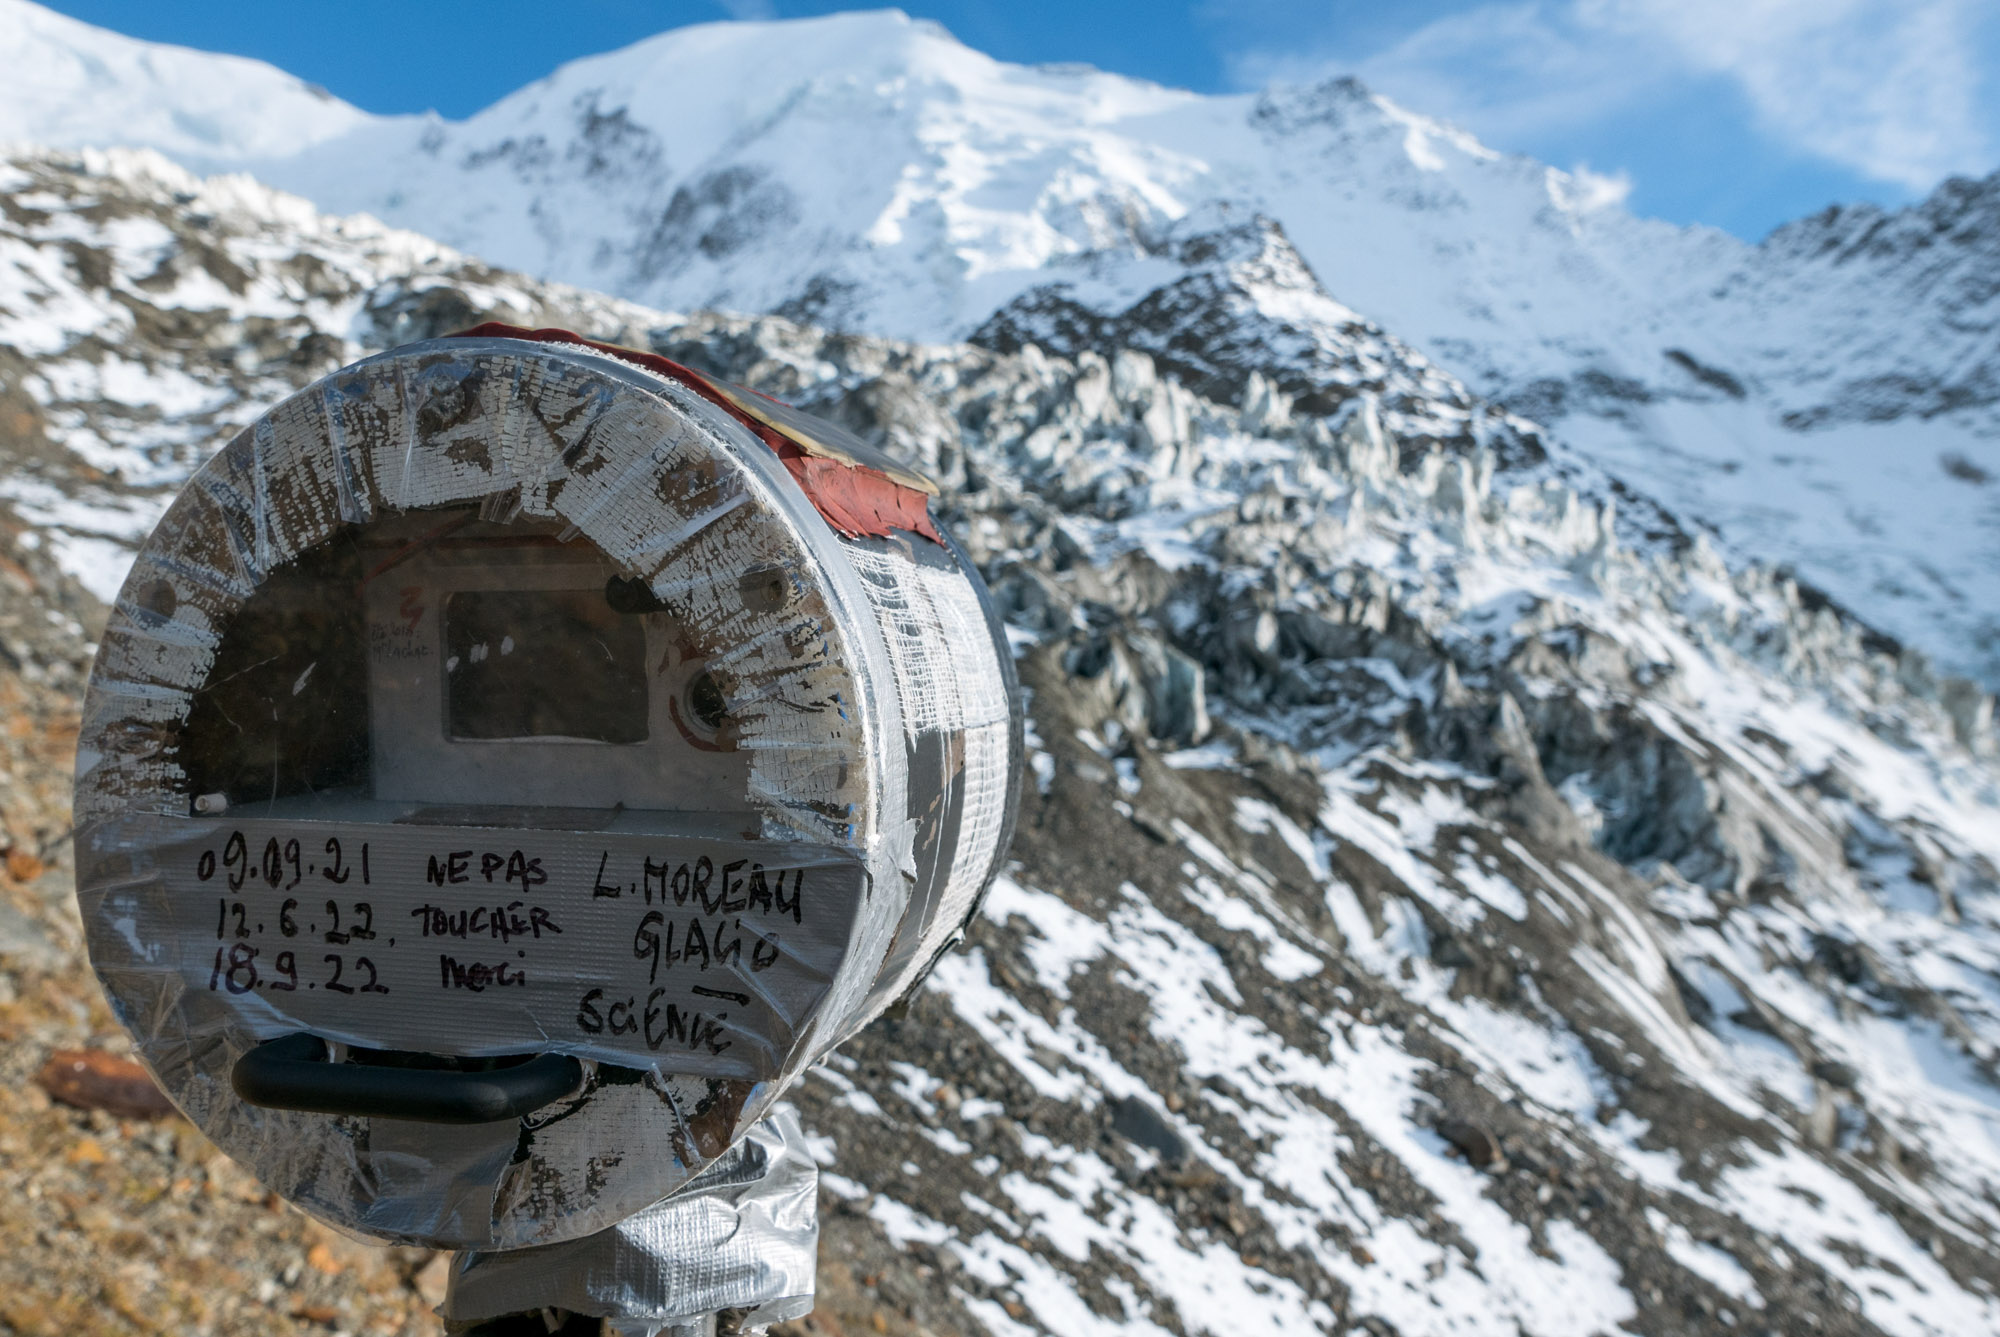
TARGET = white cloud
x,y
1508,71
1887,88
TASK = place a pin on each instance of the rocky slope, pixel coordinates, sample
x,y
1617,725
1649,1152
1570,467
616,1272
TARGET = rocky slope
x,y
1450,898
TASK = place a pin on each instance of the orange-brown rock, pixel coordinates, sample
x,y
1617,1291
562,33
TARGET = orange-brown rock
x,y
91,1079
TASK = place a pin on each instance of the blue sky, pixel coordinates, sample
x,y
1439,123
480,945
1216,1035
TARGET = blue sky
x,y
1737,113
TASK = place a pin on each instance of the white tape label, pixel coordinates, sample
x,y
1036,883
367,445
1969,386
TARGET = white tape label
x,y
698,956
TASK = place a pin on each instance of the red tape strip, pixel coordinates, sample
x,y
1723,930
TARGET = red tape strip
x,y
854,499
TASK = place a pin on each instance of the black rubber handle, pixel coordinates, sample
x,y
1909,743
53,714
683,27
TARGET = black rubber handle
x,y
291,1073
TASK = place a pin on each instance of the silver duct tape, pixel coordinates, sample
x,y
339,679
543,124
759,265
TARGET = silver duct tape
x,y
743,1235
961,721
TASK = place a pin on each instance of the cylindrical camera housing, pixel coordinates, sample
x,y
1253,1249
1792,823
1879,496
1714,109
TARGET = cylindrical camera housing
x,y
511,762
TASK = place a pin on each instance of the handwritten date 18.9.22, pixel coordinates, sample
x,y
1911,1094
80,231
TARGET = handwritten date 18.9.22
x,y
239,972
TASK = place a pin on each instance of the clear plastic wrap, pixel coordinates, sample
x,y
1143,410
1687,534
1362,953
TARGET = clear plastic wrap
x,y
493,699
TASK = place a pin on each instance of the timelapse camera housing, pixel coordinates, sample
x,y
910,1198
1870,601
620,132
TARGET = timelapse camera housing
x,y
511,762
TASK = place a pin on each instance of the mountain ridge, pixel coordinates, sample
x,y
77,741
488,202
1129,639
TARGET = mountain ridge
x,y
72,81
867,172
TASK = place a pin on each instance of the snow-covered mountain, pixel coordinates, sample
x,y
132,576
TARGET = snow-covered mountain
x,y
1824,400
71,84
1432,912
